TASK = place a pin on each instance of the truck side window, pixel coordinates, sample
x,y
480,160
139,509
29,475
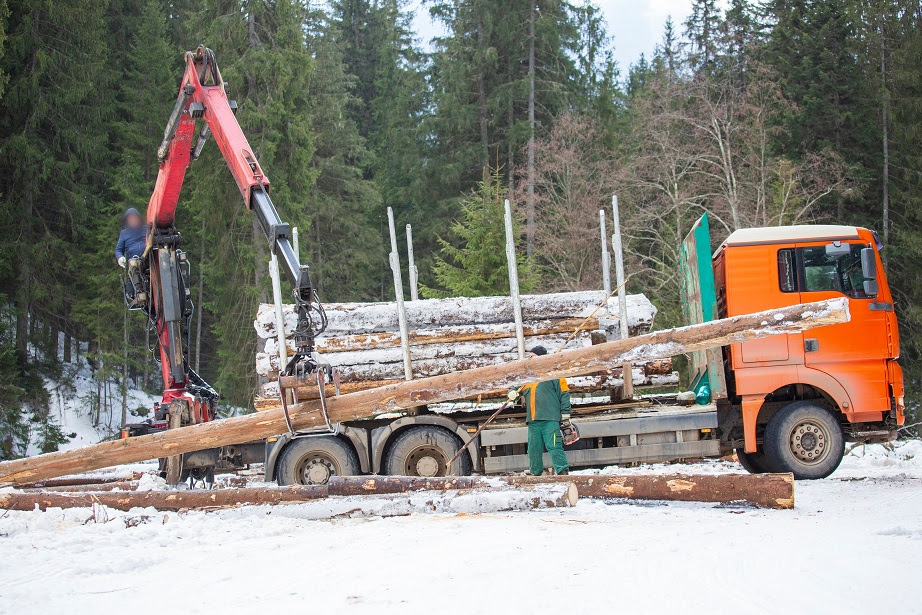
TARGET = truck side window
x,y
828,273
787,271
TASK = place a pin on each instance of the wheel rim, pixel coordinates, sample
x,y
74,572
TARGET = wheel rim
x,y
426,461
316,469
810,442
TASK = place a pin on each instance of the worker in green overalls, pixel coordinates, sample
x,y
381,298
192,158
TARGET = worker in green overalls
x,y
547,405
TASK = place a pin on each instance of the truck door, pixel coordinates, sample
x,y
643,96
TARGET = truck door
x,y
854,353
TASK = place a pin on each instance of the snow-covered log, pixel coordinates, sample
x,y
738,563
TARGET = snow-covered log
x,y
426,314
506,497
759,490
329,344
367,404
650,374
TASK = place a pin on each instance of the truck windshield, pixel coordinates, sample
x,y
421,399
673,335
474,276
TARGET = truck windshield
x,y
830,273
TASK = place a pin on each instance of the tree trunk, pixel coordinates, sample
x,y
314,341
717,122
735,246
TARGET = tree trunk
x,y
530,196
760,490
89,479
884,103
68,342
23,289
366,404
482,99
530,496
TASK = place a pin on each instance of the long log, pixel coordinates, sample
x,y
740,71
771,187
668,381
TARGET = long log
x,y
366,404
122,485
448,335
362,318
659,374
162,500
549,495
759,490
498,347
774,491
85,479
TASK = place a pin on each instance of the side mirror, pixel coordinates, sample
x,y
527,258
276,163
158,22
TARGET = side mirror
x,y
870,288
837,249
868,264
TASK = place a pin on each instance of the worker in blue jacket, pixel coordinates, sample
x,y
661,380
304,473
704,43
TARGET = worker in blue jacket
x,y
547,407
133,239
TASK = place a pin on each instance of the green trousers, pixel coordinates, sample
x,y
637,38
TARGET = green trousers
x,y
546,435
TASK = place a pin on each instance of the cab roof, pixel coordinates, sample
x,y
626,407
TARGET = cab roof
x,y
787,234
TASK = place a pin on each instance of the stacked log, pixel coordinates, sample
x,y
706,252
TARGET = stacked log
x,y
479,496
456,334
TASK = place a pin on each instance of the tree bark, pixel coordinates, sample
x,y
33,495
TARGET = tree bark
x,y
70,481
557,494
482,100
428,314
884,104
774,491
759,490
530,196
367,404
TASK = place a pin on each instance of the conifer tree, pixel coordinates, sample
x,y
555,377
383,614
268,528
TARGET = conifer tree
x,y
475,265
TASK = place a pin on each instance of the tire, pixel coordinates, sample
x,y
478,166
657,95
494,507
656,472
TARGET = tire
x,y
311,461
425,451
804,438
754,463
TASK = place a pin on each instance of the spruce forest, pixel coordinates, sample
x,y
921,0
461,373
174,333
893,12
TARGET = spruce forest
x,y
756,113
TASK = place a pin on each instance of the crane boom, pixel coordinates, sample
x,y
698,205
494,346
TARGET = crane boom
x,y
160,280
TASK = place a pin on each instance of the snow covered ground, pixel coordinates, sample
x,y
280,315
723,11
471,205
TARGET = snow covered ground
x,y
852,544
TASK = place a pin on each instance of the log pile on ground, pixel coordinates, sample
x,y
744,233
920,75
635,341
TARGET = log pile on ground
x,y
449,335
404,395
486,497
759,490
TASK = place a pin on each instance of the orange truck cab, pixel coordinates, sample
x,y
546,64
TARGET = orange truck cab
x,y
789,402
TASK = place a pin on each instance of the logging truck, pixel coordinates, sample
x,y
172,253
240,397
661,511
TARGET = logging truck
x,y
785,403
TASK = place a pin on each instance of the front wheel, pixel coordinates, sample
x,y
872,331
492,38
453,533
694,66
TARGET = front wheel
x,y
804,438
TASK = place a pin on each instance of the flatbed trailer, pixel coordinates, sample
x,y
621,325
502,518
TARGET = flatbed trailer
x,y
651,429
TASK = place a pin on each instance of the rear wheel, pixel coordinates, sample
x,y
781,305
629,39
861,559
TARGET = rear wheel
x,y
426,451
312,461
754,463
804,438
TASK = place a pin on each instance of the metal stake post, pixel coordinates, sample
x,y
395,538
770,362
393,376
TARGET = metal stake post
x,y
606,259
627,374
414,272
513,266
398,293
279,315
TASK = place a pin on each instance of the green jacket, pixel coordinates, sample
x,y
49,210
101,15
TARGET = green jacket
x,y
546,401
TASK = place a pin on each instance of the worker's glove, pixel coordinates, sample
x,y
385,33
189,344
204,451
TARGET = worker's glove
x,y
513,394
565,421
122,261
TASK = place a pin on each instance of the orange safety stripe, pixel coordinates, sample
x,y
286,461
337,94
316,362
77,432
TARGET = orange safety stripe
x,y
531,397
564,387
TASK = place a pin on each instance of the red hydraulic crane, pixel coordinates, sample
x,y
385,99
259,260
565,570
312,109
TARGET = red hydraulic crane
x,y
160,278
